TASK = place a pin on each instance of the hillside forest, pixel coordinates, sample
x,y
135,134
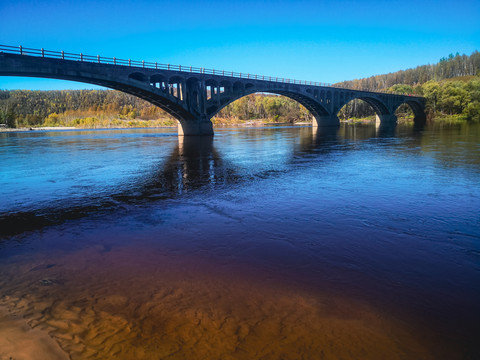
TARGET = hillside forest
x,y
451,88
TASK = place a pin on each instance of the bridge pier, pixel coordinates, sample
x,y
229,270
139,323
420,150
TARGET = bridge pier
x,y
420,119
195,128
328,120
386,118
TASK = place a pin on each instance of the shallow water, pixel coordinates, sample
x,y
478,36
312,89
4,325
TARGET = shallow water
x,y
267,243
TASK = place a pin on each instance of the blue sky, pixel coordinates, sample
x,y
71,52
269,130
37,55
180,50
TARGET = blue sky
x,y
325,41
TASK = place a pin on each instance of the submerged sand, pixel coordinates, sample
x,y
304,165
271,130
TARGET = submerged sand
x,y
130,303
18,341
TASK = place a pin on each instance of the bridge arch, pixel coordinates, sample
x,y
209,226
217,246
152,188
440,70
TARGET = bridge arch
x,y
141,89
225,87
158,81
319,112
382,112
417,108
138,76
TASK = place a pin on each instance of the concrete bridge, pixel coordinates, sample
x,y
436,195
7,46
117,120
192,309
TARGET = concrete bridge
x,y
194,95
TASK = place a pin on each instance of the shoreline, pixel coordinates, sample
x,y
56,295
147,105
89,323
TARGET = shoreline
x,y
249,123
61,128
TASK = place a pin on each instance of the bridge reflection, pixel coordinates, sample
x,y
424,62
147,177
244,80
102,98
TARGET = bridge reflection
x,y
210,164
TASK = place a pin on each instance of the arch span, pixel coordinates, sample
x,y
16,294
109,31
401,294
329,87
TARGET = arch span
x,y
319,112
134,85
380,107
420,118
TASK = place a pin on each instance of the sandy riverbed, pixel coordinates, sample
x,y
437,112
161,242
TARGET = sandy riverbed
x,y
18,341
137,304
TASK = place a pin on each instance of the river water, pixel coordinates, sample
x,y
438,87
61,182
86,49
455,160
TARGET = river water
x,y
259,243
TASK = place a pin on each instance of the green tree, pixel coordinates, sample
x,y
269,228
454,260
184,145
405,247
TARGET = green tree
x,y
431,91
454,97
401,89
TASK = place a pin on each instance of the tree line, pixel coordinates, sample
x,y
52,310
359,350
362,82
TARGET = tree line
x,y
83,108
447,68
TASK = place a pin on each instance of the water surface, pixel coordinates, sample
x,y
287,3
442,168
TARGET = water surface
x,y
282,242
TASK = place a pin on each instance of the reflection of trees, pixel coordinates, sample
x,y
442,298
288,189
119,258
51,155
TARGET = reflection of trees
x,y
348,136
453,144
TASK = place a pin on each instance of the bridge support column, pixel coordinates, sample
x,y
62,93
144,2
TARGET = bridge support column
x,y
328,120
386,118
420,119
195,128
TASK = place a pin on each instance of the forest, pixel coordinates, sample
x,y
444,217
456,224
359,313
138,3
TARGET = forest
x,y
451,88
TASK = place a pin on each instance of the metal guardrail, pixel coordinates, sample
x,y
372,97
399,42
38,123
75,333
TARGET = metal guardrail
x,y
155,65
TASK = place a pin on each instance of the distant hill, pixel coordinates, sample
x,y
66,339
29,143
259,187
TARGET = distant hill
x,y
453,66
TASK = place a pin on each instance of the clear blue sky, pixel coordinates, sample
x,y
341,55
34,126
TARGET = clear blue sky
x,y
326,41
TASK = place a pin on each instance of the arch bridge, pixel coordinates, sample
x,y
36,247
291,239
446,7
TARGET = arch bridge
x,y
194,95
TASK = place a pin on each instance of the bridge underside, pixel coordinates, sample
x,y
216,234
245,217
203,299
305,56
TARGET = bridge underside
x,y
194,98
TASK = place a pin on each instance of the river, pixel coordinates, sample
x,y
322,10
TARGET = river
x,y
361,242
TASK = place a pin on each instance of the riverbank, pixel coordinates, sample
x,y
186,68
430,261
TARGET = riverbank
x,y
43,128
249,123
222,123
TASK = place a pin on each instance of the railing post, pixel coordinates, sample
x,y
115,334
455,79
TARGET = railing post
x,y
81,57
63,55
98,59
190,69
168,66
129,62
43,53
223,72
21,50
156,65
114,61
143,63
179,67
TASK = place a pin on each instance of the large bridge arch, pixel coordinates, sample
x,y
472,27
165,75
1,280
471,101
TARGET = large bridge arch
x,y
131,85
318,111
382,111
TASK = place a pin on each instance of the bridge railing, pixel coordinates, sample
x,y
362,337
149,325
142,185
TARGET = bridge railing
x,y
155,65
